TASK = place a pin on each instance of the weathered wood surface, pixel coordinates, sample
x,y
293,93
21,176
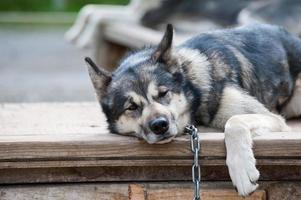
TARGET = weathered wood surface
x,y
151,191
121,37
139,192
58,131
134,35
65,192
69,142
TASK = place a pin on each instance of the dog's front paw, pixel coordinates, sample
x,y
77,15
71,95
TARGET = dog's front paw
x,y
243,172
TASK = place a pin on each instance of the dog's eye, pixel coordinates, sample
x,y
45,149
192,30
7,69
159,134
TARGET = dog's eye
x,y
162,94
133,107
163,91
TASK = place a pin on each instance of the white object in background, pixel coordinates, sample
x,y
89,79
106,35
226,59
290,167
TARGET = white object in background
x,y
87,29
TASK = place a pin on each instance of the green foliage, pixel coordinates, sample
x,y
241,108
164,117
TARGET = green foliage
x,y
52,5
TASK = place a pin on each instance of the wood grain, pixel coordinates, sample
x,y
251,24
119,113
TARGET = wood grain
x,y
139,192
163,190
207,194
135,36
76,131
70,142
65,192
136,192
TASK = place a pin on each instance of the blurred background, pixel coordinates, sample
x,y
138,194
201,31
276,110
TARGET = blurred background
x,y
36,62
43,42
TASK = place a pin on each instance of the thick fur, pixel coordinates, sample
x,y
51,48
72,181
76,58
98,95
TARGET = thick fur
x,y
236,80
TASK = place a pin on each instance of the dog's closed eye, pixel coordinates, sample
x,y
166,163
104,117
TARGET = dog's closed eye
x,y
162,91
132,107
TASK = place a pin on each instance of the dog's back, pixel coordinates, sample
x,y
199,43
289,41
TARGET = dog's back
x,y
257,58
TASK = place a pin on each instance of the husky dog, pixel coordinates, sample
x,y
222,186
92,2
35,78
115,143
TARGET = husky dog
x,y
235,79
221,12
286,13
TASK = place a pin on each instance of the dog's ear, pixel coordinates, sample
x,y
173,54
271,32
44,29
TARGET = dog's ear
x,y
99,77
162,53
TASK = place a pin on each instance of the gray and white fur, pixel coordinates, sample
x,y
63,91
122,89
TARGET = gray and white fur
x,y
241,80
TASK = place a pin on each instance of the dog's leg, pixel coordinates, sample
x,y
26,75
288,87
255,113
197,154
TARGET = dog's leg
x,y
239,131
242,115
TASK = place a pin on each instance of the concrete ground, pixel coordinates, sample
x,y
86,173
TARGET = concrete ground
x,y
37,64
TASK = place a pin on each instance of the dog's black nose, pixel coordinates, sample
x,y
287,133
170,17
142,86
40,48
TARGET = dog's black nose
x,y
159,126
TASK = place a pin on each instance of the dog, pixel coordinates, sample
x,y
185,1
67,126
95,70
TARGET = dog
x,y
241,80
286,13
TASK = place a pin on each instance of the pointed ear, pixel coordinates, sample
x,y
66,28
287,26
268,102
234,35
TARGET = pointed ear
x,y
99,77
161,54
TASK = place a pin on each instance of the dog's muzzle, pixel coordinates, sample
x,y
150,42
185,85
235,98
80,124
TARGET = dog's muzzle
x,y
159,126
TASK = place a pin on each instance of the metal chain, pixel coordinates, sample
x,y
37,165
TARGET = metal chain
x,y
195,147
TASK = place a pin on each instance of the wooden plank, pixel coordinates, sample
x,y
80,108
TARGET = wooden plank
x,y
115,191
78,131
121,37
69,142
136,173
65,192
211,194
163,190
132,163
136,192
231,195
59,146
284,191
135,36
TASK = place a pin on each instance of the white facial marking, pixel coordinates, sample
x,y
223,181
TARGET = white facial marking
x,y
180,109
128,125
138,99
152,91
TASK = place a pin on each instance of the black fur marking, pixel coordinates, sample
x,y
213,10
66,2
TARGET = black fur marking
x,y
214,98
194,95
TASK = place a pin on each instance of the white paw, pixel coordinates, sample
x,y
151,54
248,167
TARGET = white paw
x,y
243,171
280,124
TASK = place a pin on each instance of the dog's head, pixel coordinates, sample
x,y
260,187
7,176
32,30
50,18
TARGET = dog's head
x,y
144,97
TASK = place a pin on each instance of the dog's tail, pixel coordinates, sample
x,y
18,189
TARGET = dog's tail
x,y
292,45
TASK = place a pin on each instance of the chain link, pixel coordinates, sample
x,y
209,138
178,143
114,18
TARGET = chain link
x,y
196,171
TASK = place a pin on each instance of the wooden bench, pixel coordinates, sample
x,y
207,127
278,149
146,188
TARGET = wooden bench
x,y
120,37
68,144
